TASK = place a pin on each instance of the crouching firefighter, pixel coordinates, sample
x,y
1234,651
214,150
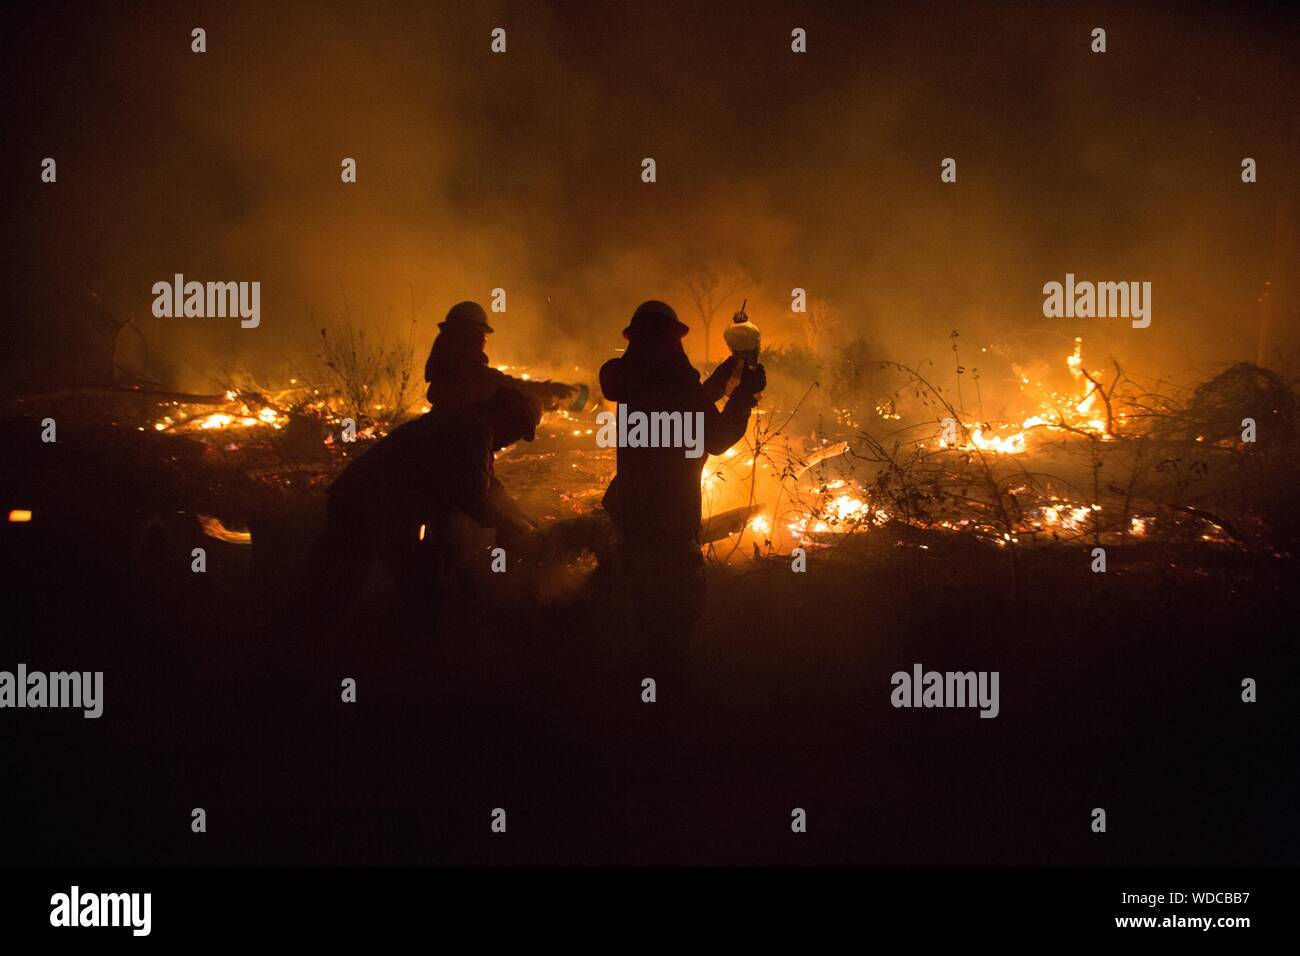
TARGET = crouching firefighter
x,y
395,501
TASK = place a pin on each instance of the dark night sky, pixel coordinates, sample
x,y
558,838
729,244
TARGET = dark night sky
x,y
522,170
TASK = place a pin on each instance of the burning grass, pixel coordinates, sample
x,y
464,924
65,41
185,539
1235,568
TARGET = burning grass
x,y
1099,462
1105,463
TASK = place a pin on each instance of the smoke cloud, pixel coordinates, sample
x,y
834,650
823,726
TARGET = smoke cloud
x,y
522,171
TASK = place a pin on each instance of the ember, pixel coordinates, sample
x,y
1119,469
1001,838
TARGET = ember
x,y
213,528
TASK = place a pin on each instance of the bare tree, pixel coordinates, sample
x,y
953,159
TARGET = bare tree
x,y
709,290
375,376
819,324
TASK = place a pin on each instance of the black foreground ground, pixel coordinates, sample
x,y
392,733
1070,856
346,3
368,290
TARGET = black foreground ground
x,y
1119,691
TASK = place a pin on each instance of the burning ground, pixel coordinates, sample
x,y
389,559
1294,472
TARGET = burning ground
x,y
933,534
1097,459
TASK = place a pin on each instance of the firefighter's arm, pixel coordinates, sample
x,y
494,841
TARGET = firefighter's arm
x,y
716,383
550,394
470,479
723,429
503,512
475,489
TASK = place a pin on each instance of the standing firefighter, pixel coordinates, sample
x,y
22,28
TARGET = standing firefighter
x,y
457,368
654,499
395,502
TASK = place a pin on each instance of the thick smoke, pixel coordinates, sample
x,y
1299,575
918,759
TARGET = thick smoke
x,y
522,171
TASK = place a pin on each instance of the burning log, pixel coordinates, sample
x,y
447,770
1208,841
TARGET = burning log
x,y
726,523
156,394
595,532
821,455
213,528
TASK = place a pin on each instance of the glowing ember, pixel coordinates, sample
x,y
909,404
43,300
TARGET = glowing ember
x,y
237,414
213,528
19,516
1069,518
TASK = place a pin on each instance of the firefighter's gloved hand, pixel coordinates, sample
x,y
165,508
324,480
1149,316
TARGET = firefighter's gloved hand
x,y
752,380
555,394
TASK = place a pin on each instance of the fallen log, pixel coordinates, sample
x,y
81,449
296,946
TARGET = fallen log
x,y
726,523
161,395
